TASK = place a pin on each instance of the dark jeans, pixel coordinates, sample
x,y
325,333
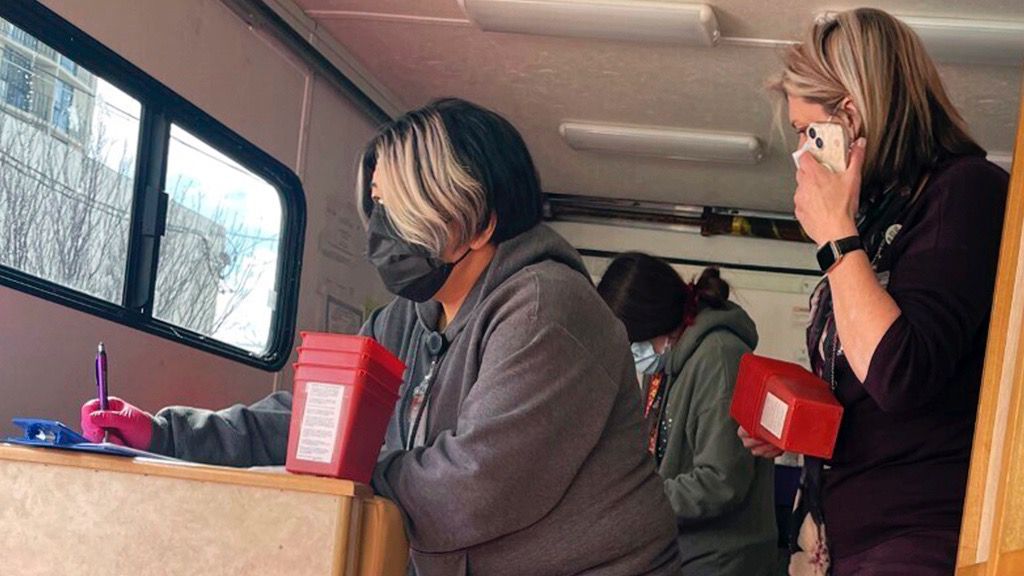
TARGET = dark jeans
x,y
930,553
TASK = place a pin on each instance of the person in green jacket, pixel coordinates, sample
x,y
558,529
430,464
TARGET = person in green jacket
x,y
687,340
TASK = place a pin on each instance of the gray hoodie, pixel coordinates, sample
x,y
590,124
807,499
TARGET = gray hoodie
x,y
723,496
532,461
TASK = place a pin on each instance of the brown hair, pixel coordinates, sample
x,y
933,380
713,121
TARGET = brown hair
x,y
711,291
650,298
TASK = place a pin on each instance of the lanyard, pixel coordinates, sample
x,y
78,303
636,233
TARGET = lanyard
x,y
653,387
427,385
437,345
653,401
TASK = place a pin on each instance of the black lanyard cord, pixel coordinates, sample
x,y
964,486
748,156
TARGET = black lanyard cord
x,y
429,379
437,345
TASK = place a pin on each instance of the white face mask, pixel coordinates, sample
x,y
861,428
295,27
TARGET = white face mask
x,y
647,360
803,149
810,141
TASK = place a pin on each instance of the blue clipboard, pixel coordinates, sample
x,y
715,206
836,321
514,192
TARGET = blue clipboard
x,y
53,434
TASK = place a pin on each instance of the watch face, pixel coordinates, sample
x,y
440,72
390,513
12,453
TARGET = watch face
x,y
826,257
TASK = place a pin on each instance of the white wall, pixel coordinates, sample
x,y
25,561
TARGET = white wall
x,y
203,51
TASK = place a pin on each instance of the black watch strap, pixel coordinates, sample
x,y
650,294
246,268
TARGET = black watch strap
x,y
832,251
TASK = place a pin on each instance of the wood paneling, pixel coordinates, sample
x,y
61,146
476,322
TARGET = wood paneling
x,y
73,513
992,536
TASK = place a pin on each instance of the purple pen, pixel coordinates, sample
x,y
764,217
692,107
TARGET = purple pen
x,y
101,381
101,376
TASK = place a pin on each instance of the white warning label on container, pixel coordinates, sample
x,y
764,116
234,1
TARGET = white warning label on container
x,y
773,415
320,419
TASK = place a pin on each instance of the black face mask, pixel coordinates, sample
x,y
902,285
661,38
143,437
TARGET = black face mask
x,y
408,270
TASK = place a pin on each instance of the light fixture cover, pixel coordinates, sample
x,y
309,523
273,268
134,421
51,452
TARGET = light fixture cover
x,y
967,41
676,144
629,20
971,41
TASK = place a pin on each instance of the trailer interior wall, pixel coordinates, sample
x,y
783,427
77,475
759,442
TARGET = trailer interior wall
x,y
207,54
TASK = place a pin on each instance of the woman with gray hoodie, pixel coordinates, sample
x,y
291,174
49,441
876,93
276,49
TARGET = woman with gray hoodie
x,y
687,340
515,446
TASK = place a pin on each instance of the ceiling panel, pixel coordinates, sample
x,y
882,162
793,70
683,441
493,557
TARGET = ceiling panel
x,y
538,82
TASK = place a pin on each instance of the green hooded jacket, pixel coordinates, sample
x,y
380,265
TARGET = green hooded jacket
x,y
723,497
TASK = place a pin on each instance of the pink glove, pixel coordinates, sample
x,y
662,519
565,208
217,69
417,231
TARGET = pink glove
x,y
127,424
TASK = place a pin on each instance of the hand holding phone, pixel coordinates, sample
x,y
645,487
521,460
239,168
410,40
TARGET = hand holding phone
x,y
827,142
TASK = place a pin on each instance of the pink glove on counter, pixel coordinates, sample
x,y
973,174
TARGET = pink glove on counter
x,y
127,424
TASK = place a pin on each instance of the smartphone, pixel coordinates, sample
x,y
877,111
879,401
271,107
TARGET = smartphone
x,y
829,145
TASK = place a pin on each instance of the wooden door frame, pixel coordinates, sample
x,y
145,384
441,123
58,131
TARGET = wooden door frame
x,y
1000,417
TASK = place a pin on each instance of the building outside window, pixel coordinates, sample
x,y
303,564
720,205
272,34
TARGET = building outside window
x,y
68,64
24,38
16,79
39,81
63,95
68,157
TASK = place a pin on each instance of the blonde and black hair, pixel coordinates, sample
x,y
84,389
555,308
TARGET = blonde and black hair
x,y
881,65
451,166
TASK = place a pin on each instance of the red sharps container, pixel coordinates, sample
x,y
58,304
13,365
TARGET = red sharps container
x,y
784,404
345,391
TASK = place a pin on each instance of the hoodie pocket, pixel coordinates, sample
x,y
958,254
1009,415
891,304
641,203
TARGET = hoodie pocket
x,y
440,564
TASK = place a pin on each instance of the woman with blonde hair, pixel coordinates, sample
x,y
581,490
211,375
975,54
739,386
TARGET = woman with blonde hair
x,y
514,447
908,239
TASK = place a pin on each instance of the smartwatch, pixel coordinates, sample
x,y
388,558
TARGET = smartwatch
x,y
832,251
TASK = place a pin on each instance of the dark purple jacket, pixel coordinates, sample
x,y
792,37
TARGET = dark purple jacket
x,y
901,461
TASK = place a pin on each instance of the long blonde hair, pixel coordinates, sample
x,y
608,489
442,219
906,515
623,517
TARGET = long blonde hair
x,y
881,65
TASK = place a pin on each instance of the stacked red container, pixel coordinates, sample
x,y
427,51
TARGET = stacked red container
x,y
345,391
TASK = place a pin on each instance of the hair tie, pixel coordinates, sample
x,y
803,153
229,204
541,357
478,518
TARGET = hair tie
x,y
691,305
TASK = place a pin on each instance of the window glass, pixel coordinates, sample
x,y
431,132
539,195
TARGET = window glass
x,y
68,64
218,259
63,96
196,258
67,160
17,77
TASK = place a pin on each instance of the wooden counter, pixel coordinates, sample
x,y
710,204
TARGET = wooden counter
x,y
64,512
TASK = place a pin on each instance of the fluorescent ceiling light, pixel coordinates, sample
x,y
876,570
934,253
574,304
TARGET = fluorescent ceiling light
x,y
971,41
630,20
967,41
670,143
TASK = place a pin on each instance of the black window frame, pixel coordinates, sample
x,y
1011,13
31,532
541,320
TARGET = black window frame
x,y
162,107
